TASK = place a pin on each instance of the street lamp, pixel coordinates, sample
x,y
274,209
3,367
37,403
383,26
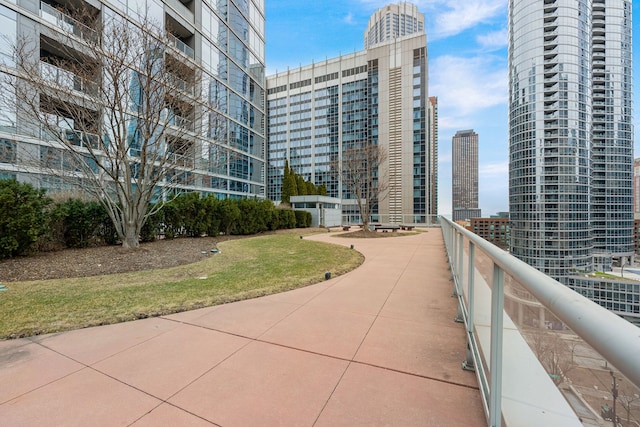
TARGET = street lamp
x,y
614,393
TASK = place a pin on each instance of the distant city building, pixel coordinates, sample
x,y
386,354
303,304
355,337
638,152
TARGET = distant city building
x,y
465,175
571,138
378,95
391,22
494,230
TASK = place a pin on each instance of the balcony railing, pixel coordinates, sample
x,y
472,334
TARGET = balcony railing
x,y
66,23
180,84
67,79
181,46
543,354
72,137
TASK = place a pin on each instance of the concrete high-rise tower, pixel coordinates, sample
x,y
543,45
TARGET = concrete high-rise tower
x,y
464,146
393,21
570,134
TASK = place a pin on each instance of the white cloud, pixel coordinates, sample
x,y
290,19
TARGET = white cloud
x,y
494,40
349,19
489,170
445,18
466,86
457,16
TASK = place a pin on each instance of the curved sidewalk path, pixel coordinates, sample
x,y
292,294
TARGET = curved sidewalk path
x,y
377,346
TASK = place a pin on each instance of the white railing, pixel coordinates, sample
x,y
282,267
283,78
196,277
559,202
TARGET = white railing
x,y
71,137
181,46
66,78
66,23
543,354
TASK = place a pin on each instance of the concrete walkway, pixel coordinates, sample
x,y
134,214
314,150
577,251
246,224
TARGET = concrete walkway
x,y
377,346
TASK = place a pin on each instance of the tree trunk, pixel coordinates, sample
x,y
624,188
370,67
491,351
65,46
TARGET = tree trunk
x,y
131,236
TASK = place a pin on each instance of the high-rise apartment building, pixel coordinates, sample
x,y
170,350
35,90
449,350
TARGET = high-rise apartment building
x,y
375,96
636,188
464,149
220,48
571,141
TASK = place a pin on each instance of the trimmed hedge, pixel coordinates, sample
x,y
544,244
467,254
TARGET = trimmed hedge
x,y
22,217
190,215
26,217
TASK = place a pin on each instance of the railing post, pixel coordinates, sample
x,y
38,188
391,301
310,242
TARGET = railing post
x,y
458,288
497,308
468,364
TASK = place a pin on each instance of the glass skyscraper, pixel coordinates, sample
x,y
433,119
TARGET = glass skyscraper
x,y
570,134
221,42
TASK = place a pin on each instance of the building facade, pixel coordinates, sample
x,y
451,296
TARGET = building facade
x,y
376,96
494,230
222,43
636,188
570,139
464,149
571,143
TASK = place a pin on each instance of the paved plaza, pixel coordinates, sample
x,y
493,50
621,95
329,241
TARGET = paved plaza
x,y
377,346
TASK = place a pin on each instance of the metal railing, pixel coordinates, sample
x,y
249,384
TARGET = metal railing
x,y
67,79
181,46
496,292
66,23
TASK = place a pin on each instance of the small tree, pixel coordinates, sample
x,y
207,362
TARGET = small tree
x,y
359,172
119,108
289,185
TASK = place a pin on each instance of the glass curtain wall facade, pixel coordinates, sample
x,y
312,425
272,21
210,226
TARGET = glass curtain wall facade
x,y
222,41
570,145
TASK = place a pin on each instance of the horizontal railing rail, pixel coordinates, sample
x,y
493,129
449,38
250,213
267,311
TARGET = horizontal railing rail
x,y
615,339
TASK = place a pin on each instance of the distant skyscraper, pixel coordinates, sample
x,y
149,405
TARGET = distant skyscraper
x,y
391,22
465,175
570,136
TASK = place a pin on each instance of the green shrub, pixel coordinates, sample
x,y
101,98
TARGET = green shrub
x,y
172,220
303,219
229,215
82,222
22,217
287,218
152,226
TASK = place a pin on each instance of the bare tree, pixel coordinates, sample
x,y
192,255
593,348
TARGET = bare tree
x,y
555,353
118,105
359,172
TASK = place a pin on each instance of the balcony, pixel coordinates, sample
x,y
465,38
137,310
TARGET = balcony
x,y
66,22
180,45
67,79
70,137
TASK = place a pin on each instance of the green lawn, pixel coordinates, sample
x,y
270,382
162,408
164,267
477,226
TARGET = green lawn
x,y
244,268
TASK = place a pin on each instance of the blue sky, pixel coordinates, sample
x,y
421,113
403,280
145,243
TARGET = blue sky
x,y
467,48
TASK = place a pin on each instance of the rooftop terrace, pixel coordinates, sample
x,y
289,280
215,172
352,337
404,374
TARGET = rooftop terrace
x,y
377,346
